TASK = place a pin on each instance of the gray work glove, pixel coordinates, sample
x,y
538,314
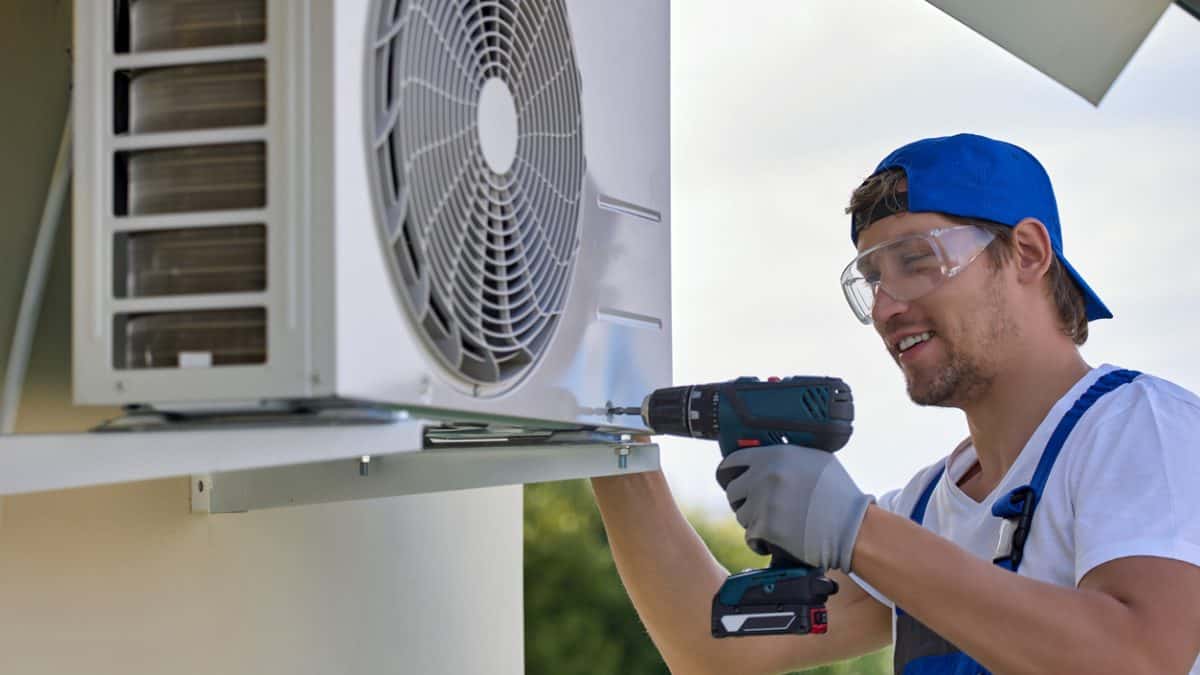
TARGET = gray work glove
x,y
797,498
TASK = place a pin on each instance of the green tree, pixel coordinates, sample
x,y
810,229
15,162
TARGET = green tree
x,y
578,619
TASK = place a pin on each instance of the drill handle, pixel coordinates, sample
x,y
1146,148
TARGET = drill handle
x,y
779,557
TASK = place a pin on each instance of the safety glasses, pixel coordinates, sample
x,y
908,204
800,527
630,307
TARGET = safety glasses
x,y
911,266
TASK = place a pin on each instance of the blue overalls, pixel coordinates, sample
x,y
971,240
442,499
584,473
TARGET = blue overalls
x,y
919,650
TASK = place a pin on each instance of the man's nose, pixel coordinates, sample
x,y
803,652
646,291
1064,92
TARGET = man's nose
x,y
885,306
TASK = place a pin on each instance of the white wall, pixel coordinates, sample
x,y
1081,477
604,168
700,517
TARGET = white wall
x,y
124,579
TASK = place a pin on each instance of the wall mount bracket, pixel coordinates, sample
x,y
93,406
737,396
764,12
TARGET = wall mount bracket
x,y
242,469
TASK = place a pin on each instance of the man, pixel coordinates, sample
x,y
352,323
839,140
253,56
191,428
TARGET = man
x,y
1062,536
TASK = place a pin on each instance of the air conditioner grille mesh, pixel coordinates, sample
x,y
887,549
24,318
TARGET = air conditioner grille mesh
x,y
482,248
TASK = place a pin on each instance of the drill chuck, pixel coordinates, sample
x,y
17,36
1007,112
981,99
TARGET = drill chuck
x,y
666,411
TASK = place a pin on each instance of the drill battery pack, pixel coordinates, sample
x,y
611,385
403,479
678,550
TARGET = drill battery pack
x,y
773,601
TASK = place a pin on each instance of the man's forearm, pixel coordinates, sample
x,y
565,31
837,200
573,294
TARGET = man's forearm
x,y
1009,623
667,570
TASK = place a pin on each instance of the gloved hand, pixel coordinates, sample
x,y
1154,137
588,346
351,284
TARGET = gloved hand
x,y
797,498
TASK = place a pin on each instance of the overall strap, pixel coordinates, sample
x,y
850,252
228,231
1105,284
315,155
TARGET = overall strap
x,y
1017,507
918,649
918,512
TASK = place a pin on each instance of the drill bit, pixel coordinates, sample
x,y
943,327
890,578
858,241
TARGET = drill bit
x,y
625,411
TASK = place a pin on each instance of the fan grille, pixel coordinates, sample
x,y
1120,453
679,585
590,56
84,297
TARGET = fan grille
x,y
478,170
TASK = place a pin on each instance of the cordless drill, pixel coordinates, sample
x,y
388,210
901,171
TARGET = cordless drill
x,y
788,597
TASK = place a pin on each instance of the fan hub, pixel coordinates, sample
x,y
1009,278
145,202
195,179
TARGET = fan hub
x,y
497,124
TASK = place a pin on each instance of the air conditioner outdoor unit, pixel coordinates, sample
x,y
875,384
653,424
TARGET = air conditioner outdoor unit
x,y
458,207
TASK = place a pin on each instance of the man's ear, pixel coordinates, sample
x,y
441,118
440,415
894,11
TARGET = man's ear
x,y
1031,250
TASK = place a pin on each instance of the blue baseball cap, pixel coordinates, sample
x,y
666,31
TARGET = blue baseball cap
x,y
973,176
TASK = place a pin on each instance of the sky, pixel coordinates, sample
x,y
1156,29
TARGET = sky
x,y
779,109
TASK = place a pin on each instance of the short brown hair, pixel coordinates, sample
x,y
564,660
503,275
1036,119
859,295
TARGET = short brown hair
x,y
1068,298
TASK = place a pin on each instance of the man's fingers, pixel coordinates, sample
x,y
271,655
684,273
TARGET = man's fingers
x,y
726,474
757,544
737,489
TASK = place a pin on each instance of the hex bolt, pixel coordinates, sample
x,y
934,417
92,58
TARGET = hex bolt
x,y
623,452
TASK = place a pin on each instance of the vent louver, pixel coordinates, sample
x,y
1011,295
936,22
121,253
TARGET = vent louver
x,y
478,167
212,104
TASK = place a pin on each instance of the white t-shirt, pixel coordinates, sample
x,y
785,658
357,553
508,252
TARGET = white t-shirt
x,y
1126,483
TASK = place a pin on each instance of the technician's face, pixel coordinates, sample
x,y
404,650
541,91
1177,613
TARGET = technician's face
x,y
948,342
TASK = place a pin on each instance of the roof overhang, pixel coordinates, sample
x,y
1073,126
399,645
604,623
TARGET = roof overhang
x,y
1083,44
1190,6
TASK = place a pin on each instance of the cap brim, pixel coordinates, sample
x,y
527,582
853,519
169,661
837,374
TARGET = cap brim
x,y
1093,306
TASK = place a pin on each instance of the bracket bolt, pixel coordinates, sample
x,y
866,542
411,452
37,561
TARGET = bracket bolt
x,y
623,451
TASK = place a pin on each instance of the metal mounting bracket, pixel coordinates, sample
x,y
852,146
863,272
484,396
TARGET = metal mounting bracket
x,y
405,473
240,469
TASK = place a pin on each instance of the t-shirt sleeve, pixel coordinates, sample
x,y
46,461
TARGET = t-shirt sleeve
x,y
1134,490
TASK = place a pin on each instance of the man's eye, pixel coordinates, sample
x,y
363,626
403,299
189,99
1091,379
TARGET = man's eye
x,y
917,261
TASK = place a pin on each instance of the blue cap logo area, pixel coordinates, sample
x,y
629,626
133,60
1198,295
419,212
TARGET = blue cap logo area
x,y
973,176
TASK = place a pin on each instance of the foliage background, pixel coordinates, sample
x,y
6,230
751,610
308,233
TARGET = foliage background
x,y
578,619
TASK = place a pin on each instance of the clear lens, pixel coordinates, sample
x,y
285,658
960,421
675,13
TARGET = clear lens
x,y
860,296
909,267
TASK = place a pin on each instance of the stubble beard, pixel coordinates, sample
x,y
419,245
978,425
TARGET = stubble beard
x,y
962,379
968,375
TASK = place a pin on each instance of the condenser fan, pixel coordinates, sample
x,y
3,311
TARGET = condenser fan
x,y
478,167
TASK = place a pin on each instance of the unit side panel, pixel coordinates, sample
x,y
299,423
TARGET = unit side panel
x,y
615,343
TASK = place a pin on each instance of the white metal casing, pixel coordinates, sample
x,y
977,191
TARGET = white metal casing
x,y
336,325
